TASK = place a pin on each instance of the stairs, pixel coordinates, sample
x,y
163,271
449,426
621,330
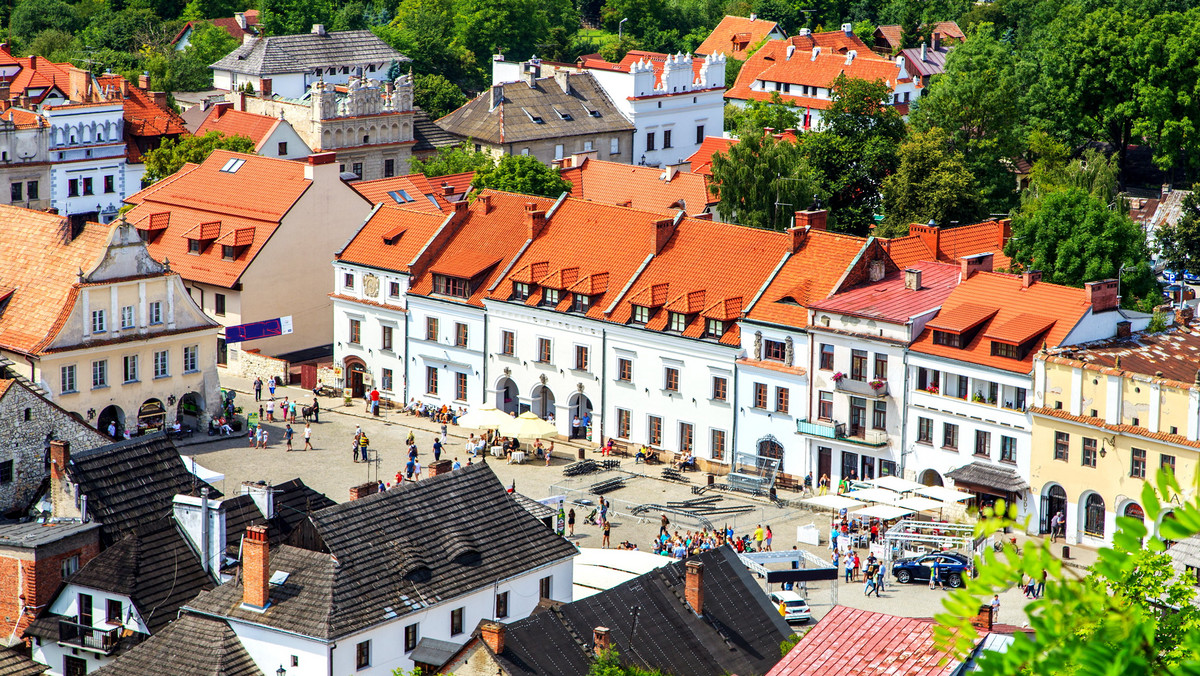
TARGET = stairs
x,y
9,370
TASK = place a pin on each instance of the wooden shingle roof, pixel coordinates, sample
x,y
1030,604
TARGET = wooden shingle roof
x,y
190,646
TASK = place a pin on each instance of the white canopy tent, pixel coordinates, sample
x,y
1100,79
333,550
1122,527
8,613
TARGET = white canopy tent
x,y
895,483
834,502
875,495
885,512
528,426
944,494
919,504
484,418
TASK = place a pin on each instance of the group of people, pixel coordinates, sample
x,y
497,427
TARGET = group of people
x,y
260,437
682,545
598,517
444,414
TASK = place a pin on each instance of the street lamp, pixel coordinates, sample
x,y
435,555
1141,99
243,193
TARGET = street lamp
x,y
281,671
620,29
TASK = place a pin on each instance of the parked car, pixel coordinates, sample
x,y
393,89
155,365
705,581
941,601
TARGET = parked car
x,y
1191,278
796,607
953,568
1172,292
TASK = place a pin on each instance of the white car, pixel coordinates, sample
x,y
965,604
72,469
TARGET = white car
x,y
795,607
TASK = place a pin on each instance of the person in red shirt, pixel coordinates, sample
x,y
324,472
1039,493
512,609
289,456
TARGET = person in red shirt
x,y
374,401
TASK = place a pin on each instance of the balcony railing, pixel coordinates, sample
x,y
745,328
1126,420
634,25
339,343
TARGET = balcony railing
x,y
92,638
820,429
862,388
842,432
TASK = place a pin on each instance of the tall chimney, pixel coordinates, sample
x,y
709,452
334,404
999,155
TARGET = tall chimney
x,y
264,87
664,229
256,569
813,220
144,81
535,220
492,634
912,279
204,554
1101,294
601,640
1030,277
798,235
321,166
693,590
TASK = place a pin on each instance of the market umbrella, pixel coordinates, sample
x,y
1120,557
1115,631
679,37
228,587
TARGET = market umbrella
x,y
944,494
834,502
895,483
484,418
875,495
885,512
528,426
920,504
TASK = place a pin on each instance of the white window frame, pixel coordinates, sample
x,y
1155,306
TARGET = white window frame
x,y
162,364
191,359
99,325
126,317
99,373
68,380
154,310
129,366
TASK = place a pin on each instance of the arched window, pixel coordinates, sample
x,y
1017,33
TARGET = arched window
x,y
769,447
1093,522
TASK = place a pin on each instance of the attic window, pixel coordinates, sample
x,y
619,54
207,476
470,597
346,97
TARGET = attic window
x,y
565,116
433,202
401,196
946,338
535,118
678,322
594,113
279,577
520,291
232,165
550,297
582,303
714,328
641,314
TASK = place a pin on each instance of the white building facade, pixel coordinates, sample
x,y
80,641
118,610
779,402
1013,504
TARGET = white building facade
x,y
370,328
773,394
87,155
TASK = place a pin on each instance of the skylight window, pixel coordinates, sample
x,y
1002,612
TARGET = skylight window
x,y
565,116
594,113
233,165
537,119
400,196
433,201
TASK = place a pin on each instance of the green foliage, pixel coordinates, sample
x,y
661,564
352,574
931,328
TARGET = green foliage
x,y
1129,615
53,44
436,95
514,27
732,68
458,159
31,17
1158,322
1167,88
286,17
173,154
756,115
788,643
609,664
423,30
1179,242
522,174
761,182
172,70
931,182
125,31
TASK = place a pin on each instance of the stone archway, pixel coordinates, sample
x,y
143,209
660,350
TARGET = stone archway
x,y
1091,516
152,417
769,447
190,410
114,415
930,477
508,396
543,402
1054,501
580,407
356,376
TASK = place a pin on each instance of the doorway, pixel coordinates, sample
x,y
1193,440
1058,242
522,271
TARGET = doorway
x,y
116,417
357,377
824,461
1053,502
74,666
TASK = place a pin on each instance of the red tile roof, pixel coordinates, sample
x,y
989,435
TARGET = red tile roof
x,y
735,35
1174,353
890,301
223,118
23,119
229,25
391,238
771,64
852,642
810,274
421,191
37,72
639,187
925,242
892,34
1101,423
701,160
1041,312
146,123
257,196
962,318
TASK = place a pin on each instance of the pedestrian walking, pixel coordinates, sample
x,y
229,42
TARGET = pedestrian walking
x,y
995,609
265,441
857,567
823,484
271,386
445,434
1055,522
1041,585
288,432
308,437
271,409
416,469
879,580
758,538
437,450
869,579
363,444
662,529
374,401
935,575
257,389
848,566
412,438
409,468
767,538
571,522
607,530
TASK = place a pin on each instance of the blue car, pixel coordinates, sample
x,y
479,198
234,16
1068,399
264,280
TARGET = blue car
x,y
1191,277
952,568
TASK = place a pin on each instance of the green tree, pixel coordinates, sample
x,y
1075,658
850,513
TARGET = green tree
x,y
977,101
522,174
53,44
173,154
125,31
514,27
457,159
31,17
1168,90
931,182
1179,242
761,182
1130,614
436,95
423,30
288,17
609,664
757,115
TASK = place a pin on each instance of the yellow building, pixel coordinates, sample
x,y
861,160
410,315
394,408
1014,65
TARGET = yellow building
x,y
1106,417
100,327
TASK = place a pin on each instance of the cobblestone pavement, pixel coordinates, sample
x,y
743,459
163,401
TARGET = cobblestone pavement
x,y
330,469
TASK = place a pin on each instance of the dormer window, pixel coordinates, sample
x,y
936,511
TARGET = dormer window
x,y
228,252
714,328
451,286
582,303
520,291
1005,350
677,322
550,296
946,338
641,314
193,246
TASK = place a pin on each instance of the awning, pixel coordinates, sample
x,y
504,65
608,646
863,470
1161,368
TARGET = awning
x,y
882,495
434,652
989,476
832,502
885,512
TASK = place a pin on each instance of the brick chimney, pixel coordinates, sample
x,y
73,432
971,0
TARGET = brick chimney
x,y
321,167
664,229
1030,277
264,87
486,200
813,220
222,107
1005,232
973,264
693,590
798,235
1184,315
535,220
912,279
144,81
440,467
256,569
363,490
928,233
160,99
79,81
492,634
1101,294
983,620
601,640
1124,329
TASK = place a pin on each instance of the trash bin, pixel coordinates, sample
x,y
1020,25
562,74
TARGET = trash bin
x,y
1066,552
582,454
712,479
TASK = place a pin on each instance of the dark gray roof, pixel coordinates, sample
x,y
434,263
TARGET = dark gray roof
x,y
585,110
990,476
428,135
30,535
934,62
739,632
1185,554
240,513
131,483
294,503
433,651
306,52
13,663
156,567
190,646
422,540
537,509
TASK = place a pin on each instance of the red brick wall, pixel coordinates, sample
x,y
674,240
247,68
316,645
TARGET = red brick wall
x,y
36,581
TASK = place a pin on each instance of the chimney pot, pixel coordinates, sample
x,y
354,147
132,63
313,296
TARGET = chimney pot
x,y
693,590
1101,294
535,220
1124,329
492,634
256,569
440,467
601,640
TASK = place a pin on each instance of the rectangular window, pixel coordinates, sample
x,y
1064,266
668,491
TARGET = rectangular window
x,y
219,304
623,418
614,146
456,621
348,280
666,138
714,328
110,184
545,587
6,472
720,388
87,186
155,309
879,415
162,360
544,350
587,146
1137,464
825,405
127,317
191,359
385,338
1005,350
1089,452
641,314
678,322
881,361
68,379
558,151
671,379
501,605
387,380
655,430
924,430
357,169
581,358
699,134
460,386
774,350
70,566
100,373
508,343
131,368
1167,462
451,286
355,332
1008,449
73,188
625,370
460,334
113,612
950,436
826,357
760,395
718,444
927,380
686,434
431,328
1062,445
649,140
412,634
31,189
858,365
581,303
282,150
393,289
15,191
194,246
431,377
99,325
550,297
781,399
983,443
946,338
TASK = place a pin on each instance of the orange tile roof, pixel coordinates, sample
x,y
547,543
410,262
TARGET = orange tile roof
x,y
229,122
38,72
893,34
1042,311
391,238
810,274
639,187
1063,414
23,119
889,300
422,193
962,318
39,267
257,196
771,64
735,35
926,242
701,160
143,117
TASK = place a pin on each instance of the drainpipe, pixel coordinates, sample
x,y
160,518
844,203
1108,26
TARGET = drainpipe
x,y
484,369
733,438
204,554
603,383
407,356
904,412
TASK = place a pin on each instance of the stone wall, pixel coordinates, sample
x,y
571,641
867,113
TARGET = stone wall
x,y
254,364
27,424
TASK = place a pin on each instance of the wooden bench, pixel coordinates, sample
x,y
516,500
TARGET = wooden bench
x,y
787,482
619,448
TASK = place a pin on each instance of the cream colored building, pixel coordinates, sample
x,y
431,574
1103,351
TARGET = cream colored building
x,y
1106,417
100,327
